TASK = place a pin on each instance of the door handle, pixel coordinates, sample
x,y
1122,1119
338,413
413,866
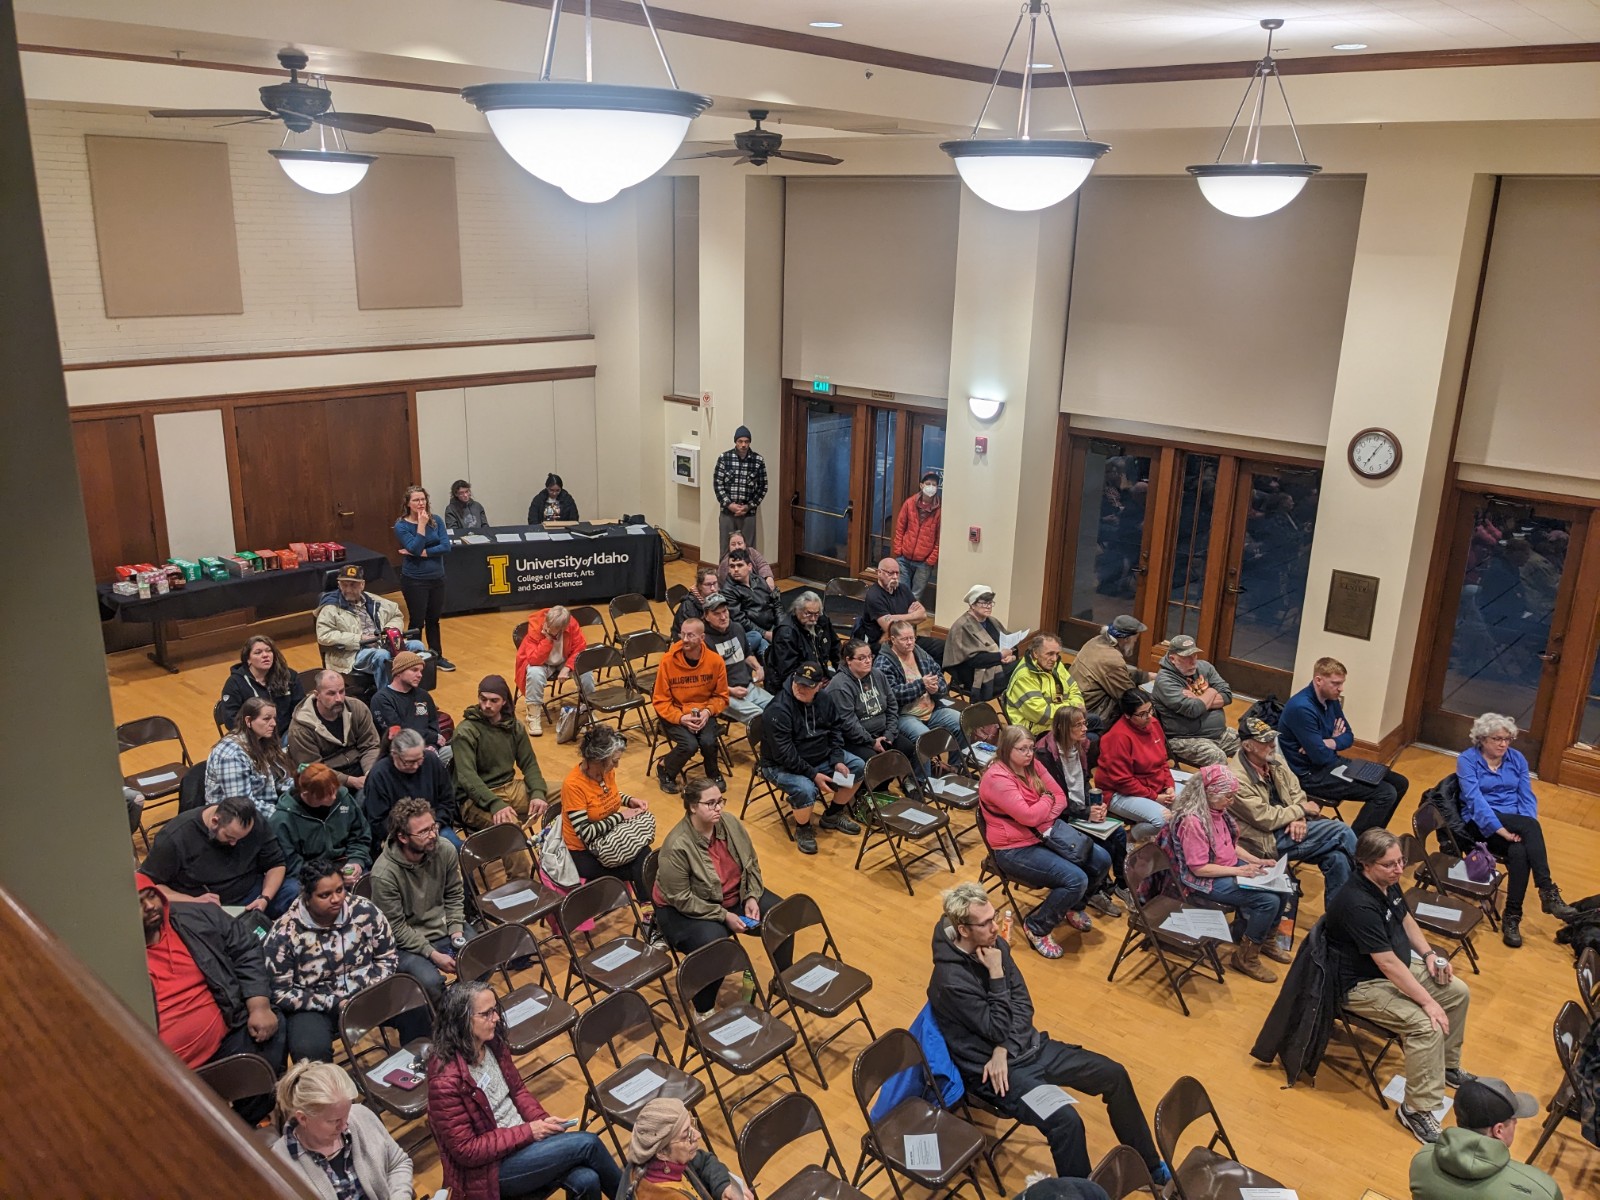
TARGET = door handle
x,y
346,513
1552,659
1234,589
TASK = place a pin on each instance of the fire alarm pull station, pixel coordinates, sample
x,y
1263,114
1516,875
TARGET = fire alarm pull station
x,y
980,445
974,534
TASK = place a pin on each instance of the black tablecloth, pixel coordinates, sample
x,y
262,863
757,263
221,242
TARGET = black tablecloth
x,y
563,570
207,597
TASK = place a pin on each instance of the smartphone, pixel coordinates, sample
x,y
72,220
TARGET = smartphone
x,y
750,922
570,1123
403,1079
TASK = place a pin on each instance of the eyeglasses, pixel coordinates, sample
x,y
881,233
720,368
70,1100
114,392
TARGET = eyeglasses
x,y
979,924
984,600
717,803
492,1014
426,831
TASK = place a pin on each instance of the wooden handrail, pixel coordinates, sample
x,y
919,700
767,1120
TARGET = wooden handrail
x,y
92,1103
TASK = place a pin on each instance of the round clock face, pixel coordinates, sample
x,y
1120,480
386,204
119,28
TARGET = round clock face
x,y
1374,453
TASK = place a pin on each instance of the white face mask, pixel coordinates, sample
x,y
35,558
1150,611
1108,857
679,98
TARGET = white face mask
x,y
930,490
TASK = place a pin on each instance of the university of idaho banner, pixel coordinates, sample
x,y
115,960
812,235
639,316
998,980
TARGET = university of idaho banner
x,y
567,570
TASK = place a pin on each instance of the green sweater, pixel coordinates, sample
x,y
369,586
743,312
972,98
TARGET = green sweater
x,y
339,833
424,901
1463,1165
486,755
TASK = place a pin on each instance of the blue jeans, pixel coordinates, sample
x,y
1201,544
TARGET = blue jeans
x,y
756,642
1330,846
939,718
917,575
1259,909
1148,815
1047,865
802,789
577,1162
287,891
377,661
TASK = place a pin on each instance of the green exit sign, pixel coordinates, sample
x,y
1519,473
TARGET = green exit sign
x,y
820,384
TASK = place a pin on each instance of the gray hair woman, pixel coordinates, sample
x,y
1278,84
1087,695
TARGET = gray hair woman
x,y
1498,804
667,1158
972,652
549,651
607,831
333,1144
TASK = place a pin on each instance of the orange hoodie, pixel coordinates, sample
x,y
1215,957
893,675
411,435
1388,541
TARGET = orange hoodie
x,y
680,687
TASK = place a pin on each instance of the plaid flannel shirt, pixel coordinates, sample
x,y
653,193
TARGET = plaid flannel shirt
x,y
740,480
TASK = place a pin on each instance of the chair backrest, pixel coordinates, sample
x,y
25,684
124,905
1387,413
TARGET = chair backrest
x,y
380,1003
1587,969
1122,1173
789,917
216,718
147,731
792,1116
934,744
619,1015
591,900
708,965
1411,851
885,767
893,1052
501,844
308,679
1185,1103
648,872
1424,821
638,646
846,585
600,657
192,787
589,617
982,823
754,729
631,604
1571,1027
676,595
493,950
363,886
518,633
1149,859
975,717
239,1077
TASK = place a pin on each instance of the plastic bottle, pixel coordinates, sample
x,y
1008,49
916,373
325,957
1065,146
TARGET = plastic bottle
x,y
747,987
1005,925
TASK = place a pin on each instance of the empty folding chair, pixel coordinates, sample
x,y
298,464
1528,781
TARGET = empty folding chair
x,y
614,694
632,606
624,962
900,821
1167,947
521,899
1571,1030
782,1123
820,983
374,1050
1202,1174
1123,1173
623,1021
161,782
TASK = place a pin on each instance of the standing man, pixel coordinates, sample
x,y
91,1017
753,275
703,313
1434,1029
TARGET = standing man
x,y
406,704
1312,733
746,697
1103,668
1276,817
740,484
691,689
1191,701
332,729
890,600
916,535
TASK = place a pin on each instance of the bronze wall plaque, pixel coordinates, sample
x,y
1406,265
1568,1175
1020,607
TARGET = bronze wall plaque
x,y
1352,599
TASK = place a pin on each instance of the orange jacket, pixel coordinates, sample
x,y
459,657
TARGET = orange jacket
x,y
680,687
916,533
535,648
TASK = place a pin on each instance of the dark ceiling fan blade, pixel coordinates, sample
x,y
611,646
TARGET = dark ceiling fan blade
x,y
826,160
248,121
370,123
211,112
731,152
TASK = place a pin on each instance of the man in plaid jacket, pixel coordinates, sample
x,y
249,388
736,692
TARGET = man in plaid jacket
x,y
740,482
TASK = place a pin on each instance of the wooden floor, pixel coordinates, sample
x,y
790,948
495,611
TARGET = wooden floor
x,y
1328,1141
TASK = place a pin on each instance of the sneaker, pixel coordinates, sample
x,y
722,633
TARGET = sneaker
x,y
1125,896
1043,943
444,664
805,838
1103,902
1454,1077
838,817
1421,1124
666,782
1080,921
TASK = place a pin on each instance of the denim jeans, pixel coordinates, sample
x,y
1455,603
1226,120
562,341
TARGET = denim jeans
x,y
939,718
917,575
1330,846
287,891
1147,815
420,967
802,789
756,641
377,660
533,684
577,1162
1047,865
1260,909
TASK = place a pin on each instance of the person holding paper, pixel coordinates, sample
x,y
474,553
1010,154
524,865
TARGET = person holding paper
x,y
1133,768
1387,972
1276,818
495,1139
1022,806
803,755
336,1147
972,651
981,1004
667,1158
1204,844
731,642
1191,701
1103,668
866,703
1040,685
221,854
1313,734
1068,754
708,884
918,685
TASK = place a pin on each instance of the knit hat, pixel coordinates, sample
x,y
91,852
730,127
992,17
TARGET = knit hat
x,y
742,432
1218,780
404,661
658,1123
495,685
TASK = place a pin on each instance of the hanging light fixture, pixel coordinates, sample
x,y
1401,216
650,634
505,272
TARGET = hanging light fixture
x,y
1250,187
589,139
332,167
1024,173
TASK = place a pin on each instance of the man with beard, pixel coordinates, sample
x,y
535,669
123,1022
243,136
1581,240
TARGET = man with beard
x,y
221,854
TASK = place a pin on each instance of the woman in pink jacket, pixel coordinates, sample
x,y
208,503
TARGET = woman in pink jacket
x,y
1022,808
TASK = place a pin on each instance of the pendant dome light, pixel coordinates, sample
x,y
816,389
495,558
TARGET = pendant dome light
x,y
1250,187
589,139
1024,173
330,169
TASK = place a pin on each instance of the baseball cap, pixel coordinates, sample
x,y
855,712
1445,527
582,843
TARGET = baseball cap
x,y
927,475
351,571
977,591
1126,626
1481,1103
1254,729
808,674
715,600
1183,645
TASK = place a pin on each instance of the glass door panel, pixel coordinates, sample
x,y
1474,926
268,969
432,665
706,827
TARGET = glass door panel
x,y
886,488
1191,547
1589,724
823,504
930,446
1109,538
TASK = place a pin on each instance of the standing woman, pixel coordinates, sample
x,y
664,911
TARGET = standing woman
x,y
261,671
338,1148
424,542
250,761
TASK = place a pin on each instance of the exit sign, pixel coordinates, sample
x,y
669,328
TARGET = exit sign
x,y
820,384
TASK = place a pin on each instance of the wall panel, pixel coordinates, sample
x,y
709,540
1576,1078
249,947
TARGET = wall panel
x,y
194,482
576,455
442,439
510,444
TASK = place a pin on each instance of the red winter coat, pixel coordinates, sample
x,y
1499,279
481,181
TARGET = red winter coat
x,y
916,533
535,647
470,1144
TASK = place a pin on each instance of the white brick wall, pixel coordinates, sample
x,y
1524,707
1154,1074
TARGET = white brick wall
x,y
523,250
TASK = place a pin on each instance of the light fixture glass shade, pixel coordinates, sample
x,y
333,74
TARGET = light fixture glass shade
x,y
1251,189
1023,174
591,140
327,171
982,408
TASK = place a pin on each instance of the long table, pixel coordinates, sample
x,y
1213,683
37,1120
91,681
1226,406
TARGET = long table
x,y
526,566
207,597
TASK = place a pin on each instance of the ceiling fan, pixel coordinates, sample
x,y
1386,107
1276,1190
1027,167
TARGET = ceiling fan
x,y
756,146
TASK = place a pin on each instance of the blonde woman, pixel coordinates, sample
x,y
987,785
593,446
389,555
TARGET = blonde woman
x,y
340,1149
424,541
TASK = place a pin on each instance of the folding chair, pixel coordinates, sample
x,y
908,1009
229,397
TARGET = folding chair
x,y
637,649
782,1123
990,867
369,1013
624,963
758,782
821,997
1570,1031
615,697
1145,932
1203,1173
160,783
1456,927
590,618
676,595
960,1142
520,900
1354,1027
955,791
1434,869
846,585
530,1015
754,1037
1122,1173
630,604
902,820
216,719
239,1077
1587,969
624,1019
976,720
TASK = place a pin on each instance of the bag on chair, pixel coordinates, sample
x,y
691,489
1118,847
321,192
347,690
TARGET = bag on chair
x,y
622,844
1480,863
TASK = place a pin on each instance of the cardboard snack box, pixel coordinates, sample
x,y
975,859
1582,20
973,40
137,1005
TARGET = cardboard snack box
x,y
191,571
269,560
300,551
316,552
335,551
251,559
288,560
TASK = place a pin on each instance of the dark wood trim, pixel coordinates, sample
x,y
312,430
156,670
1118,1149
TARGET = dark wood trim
x,y
691,552
1385,750
230,445
182,360
1197,445
691,401
1574,640
416,437
1531,495
162,60
1055,551
1580,769
157,497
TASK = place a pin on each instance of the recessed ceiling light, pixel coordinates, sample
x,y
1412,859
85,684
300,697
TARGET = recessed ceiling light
x,y
827,24
1350,46
1043,66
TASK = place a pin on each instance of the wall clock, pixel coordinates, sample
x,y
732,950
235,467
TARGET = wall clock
x,y
1374,453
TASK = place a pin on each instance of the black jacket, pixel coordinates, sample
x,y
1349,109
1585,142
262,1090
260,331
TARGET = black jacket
x,y
793,644
1301,1020
803,739
386,786
976,1013
241,685
228,955
754,605
391,708
568,507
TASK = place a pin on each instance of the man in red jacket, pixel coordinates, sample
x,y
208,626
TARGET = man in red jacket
x,y
916,535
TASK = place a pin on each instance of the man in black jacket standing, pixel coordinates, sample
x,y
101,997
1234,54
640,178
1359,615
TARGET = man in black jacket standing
x,y
803,755
983,1008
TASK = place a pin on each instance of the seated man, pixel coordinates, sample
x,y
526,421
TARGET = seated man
x,y
1312,732
221,854
1191,702
1474,1158
1103,671
802,750
890,600
416,884
805,635
409,770
212,989
406,704
335,730
1275,817
1384,968
492,748
352,627
693,605
1040,685
754,606
691,689
746,696
760,569
982,1006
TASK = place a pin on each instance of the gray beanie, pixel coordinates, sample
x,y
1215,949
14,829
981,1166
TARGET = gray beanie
x,y
658,1122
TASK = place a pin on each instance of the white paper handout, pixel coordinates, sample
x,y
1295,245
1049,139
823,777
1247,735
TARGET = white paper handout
x,y
612,959
474,539
917,817
1459,873
505,902
922,1151
400,1060
638,529
1199,923
1009,641
523,1009
1268,1194
842,779
815,979
1438,912
983,753
736,1031
949,787
508,537
1274,879
1395,1090
1179,778
637,1088
1045,1099
152,780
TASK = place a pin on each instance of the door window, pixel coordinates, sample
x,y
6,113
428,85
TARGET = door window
x,y
1270,565
1115,493
885,484
1192,545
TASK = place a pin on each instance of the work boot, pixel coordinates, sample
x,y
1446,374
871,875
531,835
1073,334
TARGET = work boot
x,y
1271,949
666,782
1550,900
1511,929
1247,961
535,720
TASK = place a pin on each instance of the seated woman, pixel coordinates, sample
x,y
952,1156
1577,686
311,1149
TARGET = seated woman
x,y
1068,753
494,1138
917,683
1203,844
549,650
708,884
325,949
250,761
261,671
1133,769
1022,807
555,503
317,818
339,1149
865,703
1497,798
972,651
668,1159
608,833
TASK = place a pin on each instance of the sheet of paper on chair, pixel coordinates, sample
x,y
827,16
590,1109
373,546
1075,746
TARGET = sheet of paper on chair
x,y
508,537
842,779
736,1031
1438,912
1395,1090
400,1060
956,791
1268,1194
1010,641
637,1088
815,979
152,780
1459,873
922,1152
508,902
1199,923
1045,1099
983,753
612,959
1179,778
523,1009
917,817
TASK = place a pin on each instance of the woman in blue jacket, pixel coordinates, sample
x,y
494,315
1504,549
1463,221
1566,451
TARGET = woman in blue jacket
x,y
424,542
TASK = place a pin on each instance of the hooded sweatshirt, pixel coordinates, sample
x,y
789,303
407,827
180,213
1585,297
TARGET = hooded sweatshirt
x,y
976,1013
241,685
338,833
1463,1164
489,754
310,741
802,739
423,901
316,969
682,685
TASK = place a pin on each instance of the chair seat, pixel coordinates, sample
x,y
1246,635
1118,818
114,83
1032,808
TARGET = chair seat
x,y
614,698
163,787
749,1053
833,997
1157,910
964,803
399,1101
1206,1175
1439,865
959,1141
893,816
648,965
678,1085
521,900
815,1183
556,1017
1459,926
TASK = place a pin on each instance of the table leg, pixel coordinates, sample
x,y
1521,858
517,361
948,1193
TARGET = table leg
x,y
159,655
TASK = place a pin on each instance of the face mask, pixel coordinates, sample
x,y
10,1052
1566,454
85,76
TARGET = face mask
x,y
930,490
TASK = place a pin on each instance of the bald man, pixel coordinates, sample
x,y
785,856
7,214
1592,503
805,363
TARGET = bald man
x,y
890,600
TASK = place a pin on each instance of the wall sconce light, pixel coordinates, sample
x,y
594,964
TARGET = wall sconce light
x,y
984,410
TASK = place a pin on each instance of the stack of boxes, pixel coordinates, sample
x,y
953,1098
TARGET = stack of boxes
x,y
146,579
